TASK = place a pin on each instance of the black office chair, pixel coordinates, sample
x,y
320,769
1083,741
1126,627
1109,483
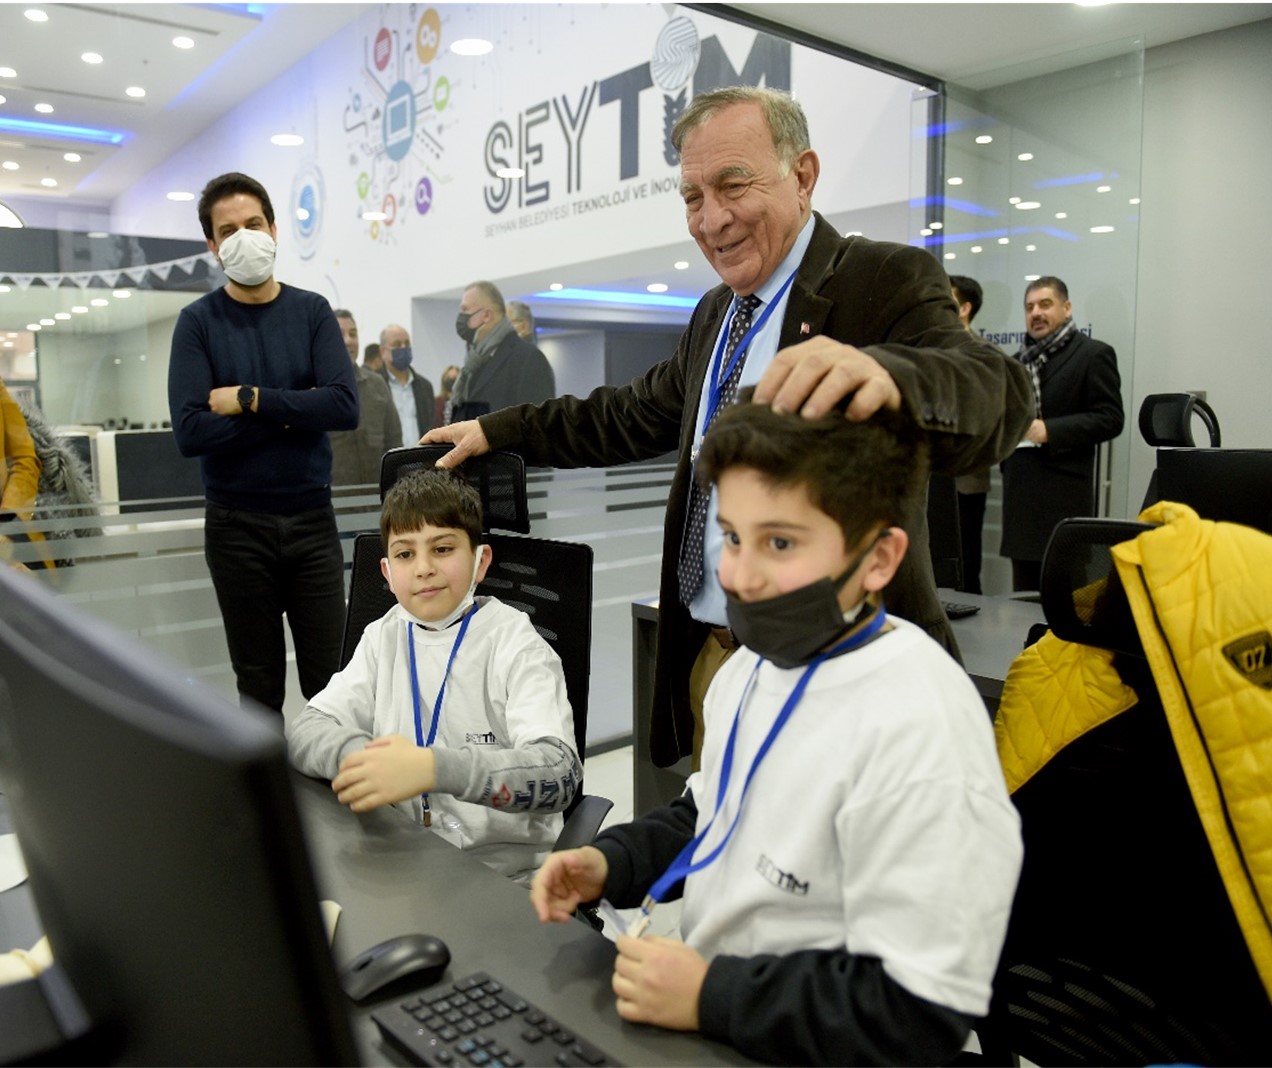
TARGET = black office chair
x,y
1166,420
1122,947
551,581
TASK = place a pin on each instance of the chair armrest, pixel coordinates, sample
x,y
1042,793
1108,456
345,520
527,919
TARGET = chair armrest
x,y
584,823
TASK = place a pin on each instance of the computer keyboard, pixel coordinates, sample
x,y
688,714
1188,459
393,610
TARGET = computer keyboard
x,y
479,1021
957,610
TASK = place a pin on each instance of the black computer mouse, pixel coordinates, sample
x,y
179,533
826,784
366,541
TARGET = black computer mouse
x,y
411,961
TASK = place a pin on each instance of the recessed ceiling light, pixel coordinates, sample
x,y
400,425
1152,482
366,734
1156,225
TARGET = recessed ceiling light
x,y
34,327
135,91
1025,157
1028,205
1103,188
9,165
97,233
1062,215
286,140
471,46
5,289
1032,277
142,357
1013,200
178,194
44,109
302,214
72,157
1031,248
1004,240
79,309
977,248
3,98
47,322
183,42
1134,200
925,232
61,315
681,265
984,139
49,183
556,287
950,256
953,181
99,302
510,172
854,233
118,361
36,15
91,57
657,287
937,225
122,294
8,72
1101,229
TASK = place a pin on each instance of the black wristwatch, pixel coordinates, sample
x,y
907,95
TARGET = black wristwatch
x,y
246,395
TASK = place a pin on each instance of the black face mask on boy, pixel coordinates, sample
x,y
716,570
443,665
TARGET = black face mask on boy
x,y
790,629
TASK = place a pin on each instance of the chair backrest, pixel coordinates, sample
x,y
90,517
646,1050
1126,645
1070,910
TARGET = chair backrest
x,y
945,543
551,581
499,477
1122,947
1167,419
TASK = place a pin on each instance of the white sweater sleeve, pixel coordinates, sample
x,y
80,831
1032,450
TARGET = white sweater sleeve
x,y
338,720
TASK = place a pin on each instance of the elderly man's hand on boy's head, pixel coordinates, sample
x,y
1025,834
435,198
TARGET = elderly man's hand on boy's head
x,y
659,981
566,880
468,438
815,375
388,770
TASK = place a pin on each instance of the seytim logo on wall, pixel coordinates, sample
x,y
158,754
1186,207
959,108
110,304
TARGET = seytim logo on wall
x,y
548,140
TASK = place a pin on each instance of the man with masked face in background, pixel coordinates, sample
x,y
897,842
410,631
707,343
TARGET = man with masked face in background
x,y
258,376
412,392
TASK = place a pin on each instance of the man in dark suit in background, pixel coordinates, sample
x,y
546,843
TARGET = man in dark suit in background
x,y
502,368
412,393
1078,404
832,317
355,454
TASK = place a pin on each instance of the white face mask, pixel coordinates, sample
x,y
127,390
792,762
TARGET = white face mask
x,y
465,602
247,256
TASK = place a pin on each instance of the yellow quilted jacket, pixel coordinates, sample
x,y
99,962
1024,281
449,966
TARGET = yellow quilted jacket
x,y
1201,595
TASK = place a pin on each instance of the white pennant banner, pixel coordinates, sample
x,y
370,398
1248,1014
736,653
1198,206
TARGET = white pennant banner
x,y
110,278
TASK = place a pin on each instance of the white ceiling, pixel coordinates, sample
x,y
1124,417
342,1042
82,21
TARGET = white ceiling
x,y
239,48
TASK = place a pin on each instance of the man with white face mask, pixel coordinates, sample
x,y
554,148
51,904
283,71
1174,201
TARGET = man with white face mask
x,y
258,375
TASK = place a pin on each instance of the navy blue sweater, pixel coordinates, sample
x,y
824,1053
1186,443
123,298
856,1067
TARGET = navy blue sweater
x,y
277,459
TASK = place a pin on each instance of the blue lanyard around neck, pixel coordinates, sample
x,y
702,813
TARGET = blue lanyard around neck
x,y
420,740
684,865
715,388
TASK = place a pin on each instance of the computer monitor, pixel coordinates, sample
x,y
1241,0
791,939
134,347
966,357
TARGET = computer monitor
x,y
164,849
1232,485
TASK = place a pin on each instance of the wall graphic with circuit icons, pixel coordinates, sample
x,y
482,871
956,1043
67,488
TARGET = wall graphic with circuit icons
x,y
395,119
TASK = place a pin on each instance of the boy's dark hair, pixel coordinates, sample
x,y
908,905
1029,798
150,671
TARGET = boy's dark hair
x,y
227,185
969,292
859,474
433,497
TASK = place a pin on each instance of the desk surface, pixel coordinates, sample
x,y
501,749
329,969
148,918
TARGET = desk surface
x,y
391,877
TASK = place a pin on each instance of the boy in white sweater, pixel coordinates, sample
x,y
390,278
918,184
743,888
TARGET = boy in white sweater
x,y
453,708
847,853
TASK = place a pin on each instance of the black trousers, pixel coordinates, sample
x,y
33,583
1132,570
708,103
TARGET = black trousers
x,y
971,522
264,567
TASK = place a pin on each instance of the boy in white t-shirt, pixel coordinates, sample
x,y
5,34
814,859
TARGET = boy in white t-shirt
x,y
847,889
453,707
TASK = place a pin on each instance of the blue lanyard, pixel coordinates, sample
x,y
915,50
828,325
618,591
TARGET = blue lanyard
x,y
716,386
684,865
420,740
